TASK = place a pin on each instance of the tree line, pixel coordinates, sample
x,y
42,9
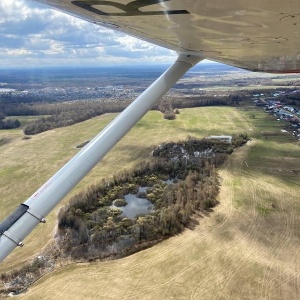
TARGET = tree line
x,y
8,123
68,114
290,99
55,115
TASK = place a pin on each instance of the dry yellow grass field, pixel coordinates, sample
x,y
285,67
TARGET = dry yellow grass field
x,y
247,248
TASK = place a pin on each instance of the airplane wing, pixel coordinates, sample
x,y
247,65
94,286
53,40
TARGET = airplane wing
x,y
258,35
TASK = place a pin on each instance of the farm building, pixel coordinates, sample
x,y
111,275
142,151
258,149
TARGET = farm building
x,y
224,138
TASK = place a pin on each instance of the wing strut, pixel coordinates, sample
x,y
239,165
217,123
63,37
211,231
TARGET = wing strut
x,y
33,211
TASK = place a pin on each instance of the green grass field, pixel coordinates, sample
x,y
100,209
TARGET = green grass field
x,y
248,248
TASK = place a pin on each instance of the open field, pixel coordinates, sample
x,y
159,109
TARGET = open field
x,y
248,248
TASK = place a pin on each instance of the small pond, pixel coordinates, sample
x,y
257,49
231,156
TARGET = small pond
x,y
136,206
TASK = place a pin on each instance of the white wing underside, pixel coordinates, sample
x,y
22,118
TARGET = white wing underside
x,y
259,35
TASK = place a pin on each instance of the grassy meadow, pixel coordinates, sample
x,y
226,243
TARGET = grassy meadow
x,y
247,248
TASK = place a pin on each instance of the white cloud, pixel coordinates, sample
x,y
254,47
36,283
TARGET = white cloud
x,y
33,34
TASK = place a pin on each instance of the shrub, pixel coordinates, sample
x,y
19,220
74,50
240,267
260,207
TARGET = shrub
x,y
120,202
169,115
142,195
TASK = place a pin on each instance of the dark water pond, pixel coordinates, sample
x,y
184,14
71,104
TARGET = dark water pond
x,y
136,206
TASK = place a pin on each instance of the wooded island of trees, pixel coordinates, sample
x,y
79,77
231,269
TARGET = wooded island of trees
x,y
92,227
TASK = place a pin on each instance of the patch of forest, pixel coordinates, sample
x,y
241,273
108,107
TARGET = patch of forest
x,y
8,123
67,114
60,114
180,180
290,99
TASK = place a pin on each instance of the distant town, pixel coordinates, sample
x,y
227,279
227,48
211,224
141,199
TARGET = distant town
x,y
286,113
57,85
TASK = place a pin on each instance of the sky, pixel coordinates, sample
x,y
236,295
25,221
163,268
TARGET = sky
x,y
33,35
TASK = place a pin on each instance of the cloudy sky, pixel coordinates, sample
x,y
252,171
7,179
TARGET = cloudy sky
x,y
33,35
